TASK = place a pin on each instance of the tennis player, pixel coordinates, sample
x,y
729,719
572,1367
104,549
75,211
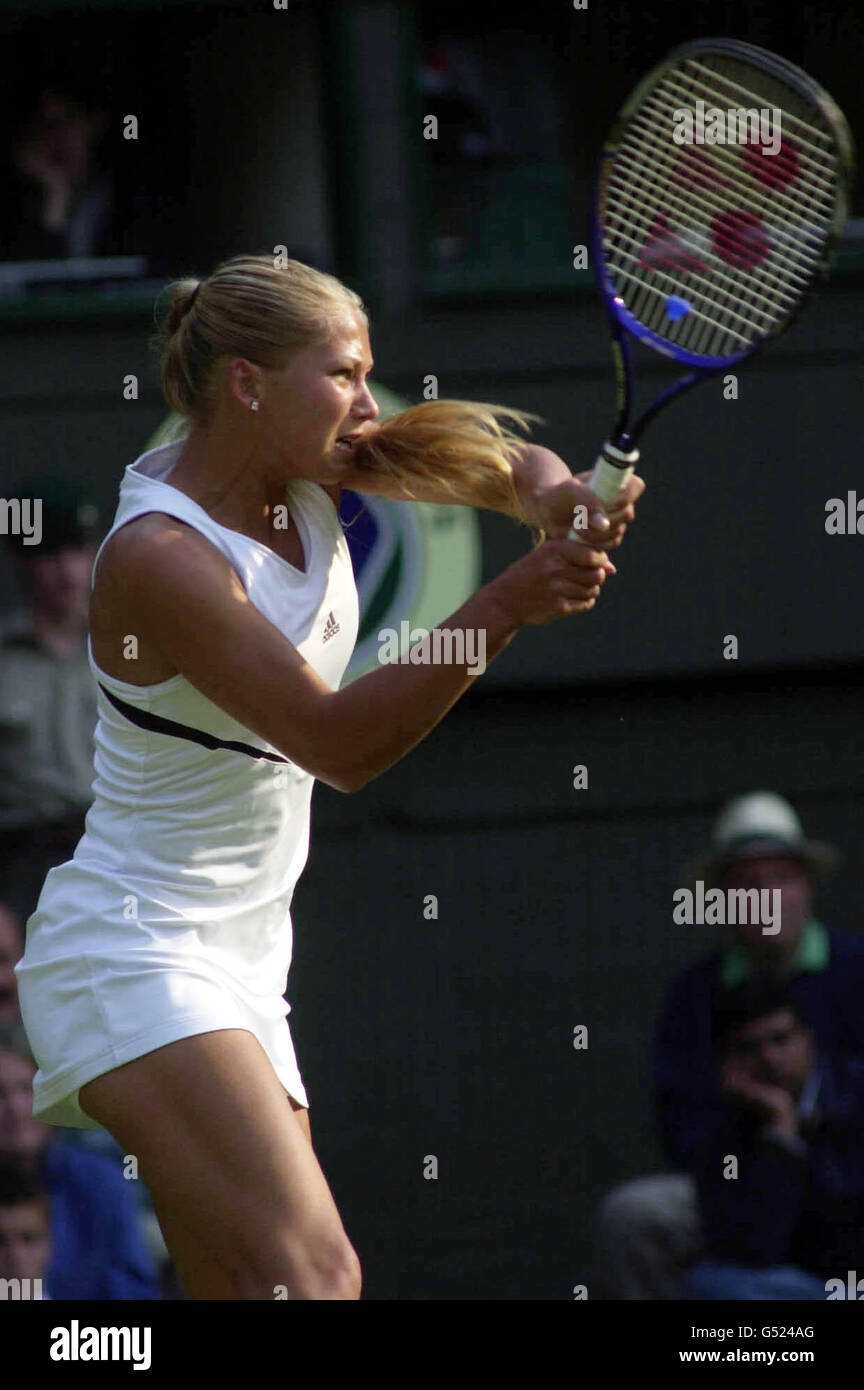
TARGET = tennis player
x,y
223,616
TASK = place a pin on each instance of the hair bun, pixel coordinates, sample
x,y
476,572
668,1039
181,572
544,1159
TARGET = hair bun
x,y
179,307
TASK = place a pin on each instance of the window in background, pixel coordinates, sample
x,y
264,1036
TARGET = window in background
x,y
496,188
81,206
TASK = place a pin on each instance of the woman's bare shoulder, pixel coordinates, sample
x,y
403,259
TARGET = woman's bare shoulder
x,y
129,592
145,542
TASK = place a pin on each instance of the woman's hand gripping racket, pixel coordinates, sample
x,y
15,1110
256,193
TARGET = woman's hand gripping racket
x,y
706,250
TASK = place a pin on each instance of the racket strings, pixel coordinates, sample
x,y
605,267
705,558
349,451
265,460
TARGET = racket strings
x,y
819,185
814,144
795,271
772,94
739,311
731,303
642,309
729,286
784,275
712,206
816,162
748,326
749,309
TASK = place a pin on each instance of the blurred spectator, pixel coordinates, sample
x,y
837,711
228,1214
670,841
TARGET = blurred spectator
x,y
99,1251
25,1228
11,951
13,1038
13,1035
461,145
57,201
791,1215
463,129
649,1229
47,695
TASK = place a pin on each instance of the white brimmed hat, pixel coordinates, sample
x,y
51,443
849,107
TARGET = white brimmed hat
x,y
756,826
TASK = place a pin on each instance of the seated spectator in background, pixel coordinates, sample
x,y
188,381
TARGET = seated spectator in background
x,y
789,1215
47,695
461,147
13,1038
25,1229
57,201
99,1251
13,1035
648,1229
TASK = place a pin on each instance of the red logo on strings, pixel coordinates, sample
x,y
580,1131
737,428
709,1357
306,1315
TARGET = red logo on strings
x,y
740,239
696,169
664,250
773,170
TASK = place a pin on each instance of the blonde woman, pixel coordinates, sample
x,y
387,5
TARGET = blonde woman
x,y
223,616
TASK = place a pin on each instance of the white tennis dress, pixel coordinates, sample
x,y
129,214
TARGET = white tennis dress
x,y
173,916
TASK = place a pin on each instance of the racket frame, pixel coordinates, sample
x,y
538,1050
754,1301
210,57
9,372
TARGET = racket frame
x,y
619,456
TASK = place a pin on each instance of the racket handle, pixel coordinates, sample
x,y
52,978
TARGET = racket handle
x,y
612,472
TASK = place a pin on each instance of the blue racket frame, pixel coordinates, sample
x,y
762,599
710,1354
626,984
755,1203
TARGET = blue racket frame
x,y
622,323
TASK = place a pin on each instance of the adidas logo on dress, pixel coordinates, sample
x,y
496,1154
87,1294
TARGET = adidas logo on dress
x,y
331,627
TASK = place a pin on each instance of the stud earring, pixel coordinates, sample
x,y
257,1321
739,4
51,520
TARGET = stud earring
x,y
254,405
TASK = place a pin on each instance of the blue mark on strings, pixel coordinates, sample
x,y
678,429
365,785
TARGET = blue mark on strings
x,y
677,308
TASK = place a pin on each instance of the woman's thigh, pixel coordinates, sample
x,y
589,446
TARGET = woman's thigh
x,y
235,1182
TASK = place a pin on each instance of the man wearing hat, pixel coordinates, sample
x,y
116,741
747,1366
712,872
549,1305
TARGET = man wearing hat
x,y
47,693
649,1229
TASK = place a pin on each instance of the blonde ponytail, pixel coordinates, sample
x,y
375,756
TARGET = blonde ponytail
x,y
464,447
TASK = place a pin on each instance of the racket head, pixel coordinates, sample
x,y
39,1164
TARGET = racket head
x,y
704,251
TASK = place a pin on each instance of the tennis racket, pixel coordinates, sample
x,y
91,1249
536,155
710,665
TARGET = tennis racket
x,y
704,250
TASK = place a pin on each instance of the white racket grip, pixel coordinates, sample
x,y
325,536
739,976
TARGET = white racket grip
x,y
612,472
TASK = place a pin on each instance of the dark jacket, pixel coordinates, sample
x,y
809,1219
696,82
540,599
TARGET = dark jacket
x,y
687,1095
99,1251
790,1204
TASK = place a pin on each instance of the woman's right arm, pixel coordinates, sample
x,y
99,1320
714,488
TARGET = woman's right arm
x,y
183,599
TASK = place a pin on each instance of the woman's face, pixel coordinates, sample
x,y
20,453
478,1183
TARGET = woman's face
x,y
307,407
